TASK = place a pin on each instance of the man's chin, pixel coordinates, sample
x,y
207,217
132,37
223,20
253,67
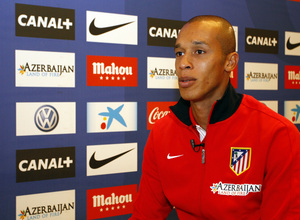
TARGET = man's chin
x,y
190,97
186,97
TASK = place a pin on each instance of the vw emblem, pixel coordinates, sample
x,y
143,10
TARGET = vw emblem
x,y
46,118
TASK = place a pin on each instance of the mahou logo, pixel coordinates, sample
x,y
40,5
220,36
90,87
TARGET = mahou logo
x,y
292,77
111,201
111,71
157,110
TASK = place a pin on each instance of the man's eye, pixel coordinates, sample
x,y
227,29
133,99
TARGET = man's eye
x,y
178,54
200,51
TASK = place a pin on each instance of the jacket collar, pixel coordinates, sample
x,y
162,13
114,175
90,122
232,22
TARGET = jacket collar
x,y
223,109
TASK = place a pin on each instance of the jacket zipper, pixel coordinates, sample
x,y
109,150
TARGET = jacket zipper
x,y
201,145
203,155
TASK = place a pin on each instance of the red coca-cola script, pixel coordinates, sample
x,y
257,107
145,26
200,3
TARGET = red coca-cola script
x,y
156,111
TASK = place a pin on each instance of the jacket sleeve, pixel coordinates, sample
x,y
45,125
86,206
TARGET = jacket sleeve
x,y
151,202
281,191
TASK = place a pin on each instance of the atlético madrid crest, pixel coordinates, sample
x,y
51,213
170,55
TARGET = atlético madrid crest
x,y
240,159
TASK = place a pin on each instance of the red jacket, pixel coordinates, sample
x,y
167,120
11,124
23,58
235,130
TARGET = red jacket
x,y
251,168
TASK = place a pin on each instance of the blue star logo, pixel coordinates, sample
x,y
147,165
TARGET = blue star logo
x,y
297,110
113,114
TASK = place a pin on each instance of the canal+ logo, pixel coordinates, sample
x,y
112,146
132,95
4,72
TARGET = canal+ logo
x,y
261,41
44,22
45,164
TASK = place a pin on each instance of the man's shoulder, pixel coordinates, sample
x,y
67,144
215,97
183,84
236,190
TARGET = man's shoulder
x,y
265,112
164,121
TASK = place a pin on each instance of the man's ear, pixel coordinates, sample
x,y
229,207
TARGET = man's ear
x,y
232,60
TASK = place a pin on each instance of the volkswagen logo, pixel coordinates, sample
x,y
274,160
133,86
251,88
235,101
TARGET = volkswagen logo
x,y
46,118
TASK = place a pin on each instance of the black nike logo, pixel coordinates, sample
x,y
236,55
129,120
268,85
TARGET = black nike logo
x,y
97,31
95,164
291,46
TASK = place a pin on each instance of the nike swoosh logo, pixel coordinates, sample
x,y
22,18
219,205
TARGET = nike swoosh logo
x,y
172,157
97,31
95,164
291,46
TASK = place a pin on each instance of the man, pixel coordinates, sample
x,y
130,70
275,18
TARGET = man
x,y
218,154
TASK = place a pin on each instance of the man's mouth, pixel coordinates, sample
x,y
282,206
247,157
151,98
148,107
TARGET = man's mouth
x,y
186,82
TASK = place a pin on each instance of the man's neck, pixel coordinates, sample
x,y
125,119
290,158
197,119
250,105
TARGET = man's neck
x,y
201,112
201,108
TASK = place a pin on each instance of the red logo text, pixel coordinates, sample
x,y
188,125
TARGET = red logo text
x,y
157,110
111,71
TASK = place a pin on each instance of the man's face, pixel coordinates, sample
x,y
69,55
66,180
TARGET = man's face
x,y
200,62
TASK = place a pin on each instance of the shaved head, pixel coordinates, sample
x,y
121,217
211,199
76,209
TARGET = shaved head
x,y
225,36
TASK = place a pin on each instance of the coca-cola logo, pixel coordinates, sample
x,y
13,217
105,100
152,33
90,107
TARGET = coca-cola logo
x,y
111,71
156,114
156,111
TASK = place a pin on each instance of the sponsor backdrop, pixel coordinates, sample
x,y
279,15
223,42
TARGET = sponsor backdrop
x,y
83,82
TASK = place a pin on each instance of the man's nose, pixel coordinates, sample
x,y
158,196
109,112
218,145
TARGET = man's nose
x,y
185,62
